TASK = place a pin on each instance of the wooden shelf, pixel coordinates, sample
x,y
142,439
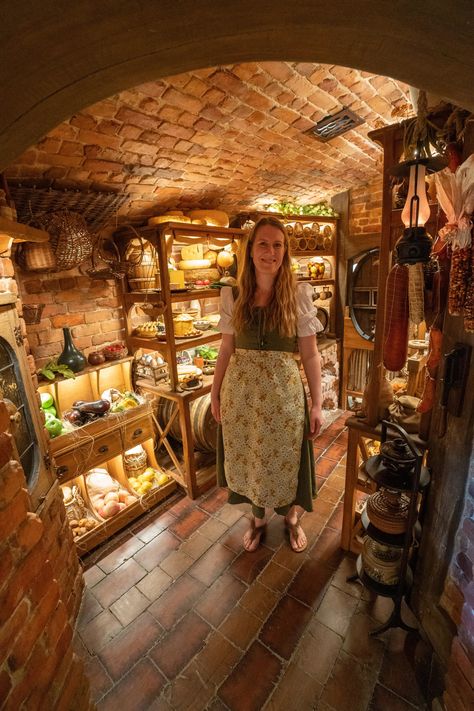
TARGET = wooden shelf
x,y
163,389
104,530
181,344
86,371
312,253
22,233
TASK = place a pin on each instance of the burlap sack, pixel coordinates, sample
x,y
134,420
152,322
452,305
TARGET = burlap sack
x,y
403,412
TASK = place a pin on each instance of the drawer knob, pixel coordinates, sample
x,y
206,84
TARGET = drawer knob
x,y
61,471
137,432
103,449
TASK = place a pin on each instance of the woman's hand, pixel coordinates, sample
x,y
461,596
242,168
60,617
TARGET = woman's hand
x,y
216,408
315,422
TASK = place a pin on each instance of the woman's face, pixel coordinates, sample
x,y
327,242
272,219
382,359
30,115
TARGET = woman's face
x,y
268,250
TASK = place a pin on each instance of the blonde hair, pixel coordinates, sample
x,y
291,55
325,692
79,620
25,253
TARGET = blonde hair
x,y
280,314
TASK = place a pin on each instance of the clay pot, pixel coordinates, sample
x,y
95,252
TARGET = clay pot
x,y
96,358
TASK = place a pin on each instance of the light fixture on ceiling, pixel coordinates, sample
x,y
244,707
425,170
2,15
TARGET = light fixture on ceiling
x,y
335,125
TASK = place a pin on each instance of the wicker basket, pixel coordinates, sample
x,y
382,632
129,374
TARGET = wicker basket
x,y
134,462
35,257
71,240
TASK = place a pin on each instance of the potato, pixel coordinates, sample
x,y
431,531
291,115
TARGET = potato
x,y
73,523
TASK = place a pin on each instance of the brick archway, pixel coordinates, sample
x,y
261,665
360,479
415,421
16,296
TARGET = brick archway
x,y
57,63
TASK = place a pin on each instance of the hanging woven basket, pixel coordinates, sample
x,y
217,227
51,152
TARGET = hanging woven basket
x,y
70,238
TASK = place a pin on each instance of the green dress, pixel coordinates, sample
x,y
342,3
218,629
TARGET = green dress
x,y
263,455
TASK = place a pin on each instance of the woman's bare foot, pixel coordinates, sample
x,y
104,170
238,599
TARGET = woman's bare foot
x,y
253,537
298,540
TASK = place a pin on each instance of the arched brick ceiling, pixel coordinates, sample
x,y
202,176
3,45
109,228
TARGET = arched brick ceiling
x,y
231,137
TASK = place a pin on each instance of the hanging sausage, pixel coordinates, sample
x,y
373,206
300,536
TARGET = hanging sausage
x,y
395,342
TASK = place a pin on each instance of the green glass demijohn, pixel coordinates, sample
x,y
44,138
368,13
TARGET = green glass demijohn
x,y
71,356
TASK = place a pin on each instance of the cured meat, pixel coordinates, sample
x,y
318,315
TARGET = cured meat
x,y
432,363
395,342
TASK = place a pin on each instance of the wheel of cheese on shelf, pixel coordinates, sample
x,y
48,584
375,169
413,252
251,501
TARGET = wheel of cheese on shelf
x,y
189,264
168,217
213,218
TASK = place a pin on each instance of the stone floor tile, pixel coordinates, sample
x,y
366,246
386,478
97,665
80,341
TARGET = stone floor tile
x,y
275,577
183,506
310,583
216,603
136,690
147,530
233,538
189,522
345,570
285,626
239,691
154,584
178,599
196,546
385,700
214,501
325,466
336,610
360,644
335,519
174,651
120,554
275,533
296,691
99,680
398,675
330,494
230,514
377,607
323,508
247,565
336,451
128,607
89,609
93,575
259,600
318,650
213,529
318,451
240,627
350,686
118,582
216,660
128,647
100,630
176,563
327,549
286,557
212,564
189,691
156,550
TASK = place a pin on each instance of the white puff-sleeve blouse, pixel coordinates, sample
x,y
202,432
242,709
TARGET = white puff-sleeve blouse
x,y
307,324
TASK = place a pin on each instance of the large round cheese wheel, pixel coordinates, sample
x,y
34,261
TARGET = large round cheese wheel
x,y
159,219
188,264
216,218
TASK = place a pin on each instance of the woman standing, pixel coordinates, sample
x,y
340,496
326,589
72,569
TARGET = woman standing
x,y
264,455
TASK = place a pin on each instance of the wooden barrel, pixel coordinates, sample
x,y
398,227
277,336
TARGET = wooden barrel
x,y
203,425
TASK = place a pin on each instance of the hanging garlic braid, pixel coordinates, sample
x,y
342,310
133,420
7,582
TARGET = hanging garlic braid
x,y
280,314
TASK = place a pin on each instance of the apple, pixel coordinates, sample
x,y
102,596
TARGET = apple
x,y
206,282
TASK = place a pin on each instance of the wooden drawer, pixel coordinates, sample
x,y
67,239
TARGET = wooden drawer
x,y
137,431
77,461
103,448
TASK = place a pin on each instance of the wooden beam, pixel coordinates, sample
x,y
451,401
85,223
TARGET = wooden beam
x,y
21,232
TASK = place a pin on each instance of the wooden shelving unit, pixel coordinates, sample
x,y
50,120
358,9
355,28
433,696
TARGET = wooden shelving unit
x,y
103,442
192,469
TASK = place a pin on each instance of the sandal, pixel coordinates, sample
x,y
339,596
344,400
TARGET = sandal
x,y
255,532
294,529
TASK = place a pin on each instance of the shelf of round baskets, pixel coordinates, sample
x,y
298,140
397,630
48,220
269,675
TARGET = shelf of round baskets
x,y
115,351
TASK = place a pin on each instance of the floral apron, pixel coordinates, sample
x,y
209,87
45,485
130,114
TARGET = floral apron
x,y
263,456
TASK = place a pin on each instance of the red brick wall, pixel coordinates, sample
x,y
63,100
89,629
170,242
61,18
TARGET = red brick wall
x,y
366,208
40,584
89,306
38,667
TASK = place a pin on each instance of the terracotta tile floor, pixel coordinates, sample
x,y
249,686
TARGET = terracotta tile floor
x,y
176,616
